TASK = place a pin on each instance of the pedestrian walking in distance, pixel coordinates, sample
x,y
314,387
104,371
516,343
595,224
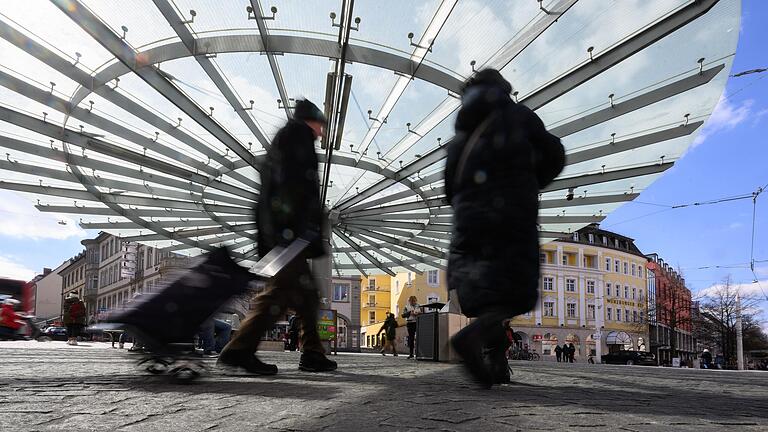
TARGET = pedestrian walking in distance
x,y
498,161
571,353
74,317
390,334
410,311
289,207
558,352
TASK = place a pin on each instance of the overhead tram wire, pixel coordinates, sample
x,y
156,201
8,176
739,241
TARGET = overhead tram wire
x,y
668,207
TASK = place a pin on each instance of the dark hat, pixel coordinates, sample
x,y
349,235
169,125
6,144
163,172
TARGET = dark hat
x,y
490,78
307,111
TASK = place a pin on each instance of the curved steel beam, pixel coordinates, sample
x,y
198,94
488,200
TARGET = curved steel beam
x,y
617,53
151,75
618,109
364,253
279,44
65,67
180,27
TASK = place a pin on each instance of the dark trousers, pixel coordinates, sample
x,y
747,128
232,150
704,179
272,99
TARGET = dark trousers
x,y
411,336
558,355
74,330
293,287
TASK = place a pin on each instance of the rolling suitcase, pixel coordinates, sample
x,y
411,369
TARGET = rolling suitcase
x,y
167,320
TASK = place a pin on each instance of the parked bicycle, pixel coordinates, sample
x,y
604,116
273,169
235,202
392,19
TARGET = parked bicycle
x,y
518,354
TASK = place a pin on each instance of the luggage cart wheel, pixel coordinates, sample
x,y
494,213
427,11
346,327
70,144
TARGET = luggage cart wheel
x,y
155,366
184,374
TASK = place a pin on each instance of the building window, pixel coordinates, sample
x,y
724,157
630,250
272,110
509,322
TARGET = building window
x,y
591,237
626,292
608,314
591,311
626,315
371,300
626,268
590,287
571,310
608,289
618,314
372,283
542,258
565,259
570,285
634,269
640,295
433,298
341,292
432,278
607,264
634,292
634,316
617,266
371,317
605,240
575,236
548,283
549,309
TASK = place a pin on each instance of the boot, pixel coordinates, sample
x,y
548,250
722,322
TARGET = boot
x,y
244,362
471,344
312,361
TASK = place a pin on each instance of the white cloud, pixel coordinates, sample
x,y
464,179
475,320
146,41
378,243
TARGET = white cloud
x,y
745,289
22,220
9,268
725,116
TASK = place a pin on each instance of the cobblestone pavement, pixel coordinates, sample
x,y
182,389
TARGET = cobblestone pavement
x,y
51,386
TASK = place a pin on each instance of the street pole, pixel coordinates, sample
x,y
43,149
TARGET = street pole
x,y
739,341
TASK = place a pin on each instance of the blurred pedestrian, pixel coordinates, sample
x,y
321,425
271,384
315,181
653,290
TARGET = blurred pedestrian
x,y
558,352
498,161
293,333
706,359
10,321
289,207
571,353
74,317
390,334
410,311
214,335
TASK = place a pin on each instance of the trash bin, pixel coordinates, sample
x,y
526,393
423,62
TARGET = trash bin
x,y
427,337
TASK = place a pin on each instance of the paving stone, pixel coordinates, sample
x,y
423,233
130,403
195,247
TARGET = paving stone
x,y
51,386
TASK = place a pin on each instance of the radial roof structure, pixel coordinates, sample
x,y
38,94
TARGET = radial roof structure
x,y
149,119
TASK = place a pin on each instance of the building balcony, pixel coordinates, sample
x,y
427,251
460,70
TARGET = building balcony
x,y
381,305
379,289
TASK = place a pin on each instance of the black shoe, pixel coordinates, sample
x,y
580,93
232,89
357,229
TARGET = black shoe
x,y
316,362
498,366
468,343
410,356
243,362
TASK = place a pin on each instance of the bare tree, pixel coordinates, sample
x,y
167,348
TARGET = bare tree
x,y
719,310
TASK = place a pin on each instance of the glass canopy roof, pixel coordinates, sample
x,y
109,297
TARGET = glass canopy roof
x,y
149,120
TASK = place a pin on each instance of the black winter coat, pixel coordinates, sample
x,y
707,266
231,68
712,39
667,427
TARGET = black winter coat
x,y
494,252
289,205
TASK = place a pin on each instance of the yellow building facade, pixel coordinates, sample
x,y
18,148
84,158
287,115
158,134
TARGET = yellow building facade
x,y
592,289
384,293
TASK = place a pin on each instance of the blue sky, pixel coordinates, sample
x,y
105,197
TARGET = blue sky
x,y
727,159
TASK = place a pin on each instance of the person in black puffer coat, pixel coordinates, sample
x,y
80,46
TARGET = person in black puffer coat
x,y
499,160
